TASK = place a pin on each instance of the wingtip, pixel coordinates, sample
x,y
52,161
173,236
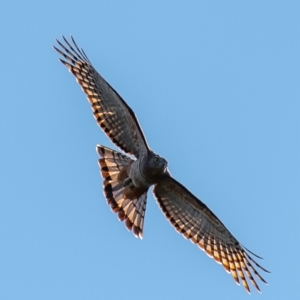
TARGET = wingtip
x,y
252,252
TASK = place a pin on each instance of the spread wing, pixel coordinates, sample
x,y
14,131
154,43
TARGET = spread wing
x,y
197,222
111,112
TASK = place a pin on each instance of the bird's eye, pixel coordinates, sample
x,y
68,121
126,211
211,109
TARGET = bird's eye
x,y
155,159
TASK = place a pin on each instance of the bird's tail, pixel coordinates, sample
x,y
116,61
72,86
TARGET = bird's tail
x,y
114,167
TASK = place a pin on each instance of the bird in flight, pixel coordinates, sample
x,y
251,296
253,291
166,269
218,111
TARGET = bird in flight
x,y
126,180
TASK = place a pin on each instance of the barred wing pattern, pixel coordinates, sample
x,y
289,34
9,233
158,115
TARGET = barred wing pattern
x,y
187,214
112,165
197,222
111,112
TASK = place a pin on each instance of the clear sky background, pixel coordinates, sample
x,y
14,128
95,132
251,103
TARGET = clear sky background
x,y
215,86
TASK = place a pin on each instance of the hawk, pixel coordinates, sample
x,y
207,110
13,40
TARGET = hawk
x,y
126,180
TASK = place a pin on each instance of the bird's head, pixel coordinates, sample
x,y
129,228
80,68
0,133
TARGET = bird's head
x,y
154,166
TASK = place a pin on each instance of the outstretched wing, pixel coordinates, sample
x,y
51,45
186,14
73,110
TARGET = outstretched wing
x,y
111,112
197,222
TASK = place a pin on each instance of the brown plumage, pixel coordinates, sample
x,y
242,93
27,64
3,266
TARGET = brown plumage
x,y
196,222
126,181
128,202
111,112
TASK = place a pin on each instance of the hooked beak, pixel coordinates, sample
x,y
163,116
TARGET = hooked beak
x,y
165,165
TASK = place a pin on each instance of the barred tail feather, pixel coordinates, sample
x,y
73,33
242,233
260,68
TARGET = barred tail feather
x,y
114,167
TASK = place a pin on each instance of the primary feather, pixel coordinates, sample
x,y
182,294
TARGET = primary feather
x,y
126,181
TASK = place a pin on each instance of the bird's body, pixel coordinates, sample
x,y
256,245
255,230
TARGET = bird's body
x,y
126,180
129,180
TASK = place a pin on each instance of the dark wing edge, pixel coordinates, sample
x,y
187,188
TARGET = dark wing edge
x,y
111,112
196,222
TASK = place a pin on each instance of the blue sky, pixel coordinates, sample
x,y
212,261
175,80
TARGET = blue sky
x,y
215,86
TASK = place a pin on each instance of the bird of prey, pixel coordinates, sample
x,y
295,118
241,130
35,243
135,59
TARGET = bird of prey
x,y
126,180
